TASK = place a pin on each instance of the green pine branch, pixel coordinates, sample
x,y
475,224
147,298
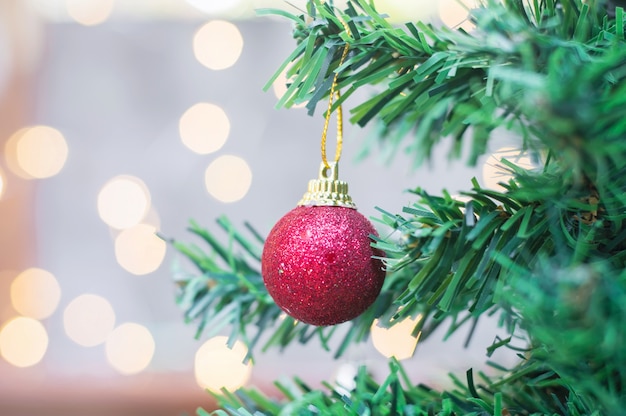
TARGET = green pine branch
x,y
226,291
461,254
508,251
573,315
448,259
547,253
529,389
551,70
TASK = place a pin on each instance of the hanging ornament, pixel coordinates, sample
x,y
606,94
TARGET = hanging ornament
x,y
318,263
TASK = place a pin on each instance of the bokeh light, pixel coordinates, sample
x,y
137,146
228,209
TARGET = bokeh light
x,y
89,12
345,377
129,348
218,44
139,250
36,152
3,181
280,88
88,320
152,218
123,201
6,307
10,154
455,13
225,8
228,178
204,128
23,341
41,151
397,340
494,172
35,293
217,366
401,11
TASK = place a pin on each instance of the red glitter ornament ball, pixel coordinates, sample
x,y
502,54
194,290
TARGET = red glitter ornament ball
x,y
318,264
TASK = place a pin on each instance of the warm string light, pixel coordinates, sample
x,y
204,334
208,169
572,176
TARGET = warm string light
x,y
204,128
139,250
228,178
35,293
88,320
232,9
218,45
345,377
123,201
89,12
23,341
494,172
130,348
217,366
396,341
280,88
2,183
36,152
456,13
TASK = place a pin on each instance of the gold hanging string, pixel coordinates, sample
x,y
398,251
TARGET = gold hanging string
x,y
334,91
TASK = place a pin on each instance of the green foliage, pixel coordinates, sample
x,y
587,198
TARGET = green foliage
x,y
574,316
547,254
498,251
531,390
226,290
551,70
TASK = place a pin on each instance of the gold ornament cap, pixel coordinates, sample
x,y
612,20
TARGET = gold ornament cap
x,y
327,190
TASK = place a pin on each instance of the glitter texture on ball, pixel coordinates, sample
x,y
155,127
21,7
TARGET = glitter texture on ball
x,y
319,267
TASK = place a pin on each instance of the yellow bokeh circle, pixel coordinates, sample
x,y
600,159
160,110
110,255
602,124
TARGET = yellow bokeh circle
x,y
397,340
139,250
89,12
129,348
23,341
217,366
218,44
36,152
204,128
88,320
35,293
123,201
228,178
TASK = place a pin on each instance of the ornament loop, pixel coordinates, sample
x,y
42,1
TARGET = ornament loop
x,y
327,189
335,93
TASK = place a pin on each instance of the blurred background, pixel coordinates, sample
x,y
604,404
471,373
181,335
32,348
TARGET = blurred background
x,y
119,118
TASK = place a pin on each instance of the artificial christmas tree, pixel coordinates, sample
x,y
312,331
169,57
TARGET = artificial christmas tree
x,y
546,255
